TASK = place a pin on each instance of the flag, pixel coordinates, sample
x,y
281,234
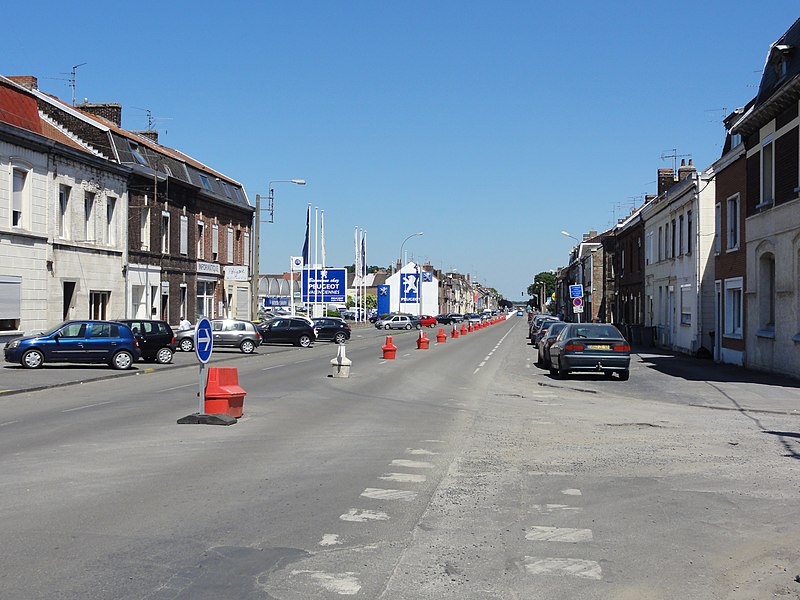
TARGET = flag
x,y
357,261
307,244
322,235
363,253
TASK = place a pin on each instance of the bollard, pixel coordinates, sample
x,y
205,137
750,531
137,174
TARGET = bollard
x,y
454,332
223,395
463,329
341,364
389,349
422,341
441,337
471,328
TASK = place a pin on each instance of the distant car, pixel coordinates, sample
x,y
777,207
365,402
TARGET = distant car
x,y
397,322
547,340
225,333
473,318
374,318
536,322
427,321
449,318
590,347
332,328
542,330
156,339
520,313
288,330
92,341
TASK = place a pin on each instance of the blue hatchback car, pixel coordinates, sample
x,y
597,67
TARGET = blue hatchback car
x,y
77,342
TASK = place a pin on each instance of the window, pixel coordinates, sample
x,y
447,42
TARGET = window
x,y
111,205
200,244
767,174
10,302
736,139
717,228
215,242
689,232
733,308
144,228
184,236
733,223
686,304
766,293
226,189
98,304
104,330
230,245
238,195
63,211
88,214
622,263
680,235
205,182
659,243
164,232
137,155
18,198
649,249
672,240
246,250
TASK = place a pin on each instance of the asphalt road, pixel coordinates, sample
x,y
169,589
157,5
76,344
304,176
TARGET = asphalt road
x,y
459,472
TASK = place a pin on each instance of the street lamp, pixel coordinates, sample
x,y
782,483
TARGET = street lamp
x,y
270,208
399,294
569,235
404,243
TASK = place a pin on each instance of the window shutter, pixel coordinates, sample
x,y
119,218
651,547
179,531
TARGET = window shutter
x,y
230,245
215,239
184,234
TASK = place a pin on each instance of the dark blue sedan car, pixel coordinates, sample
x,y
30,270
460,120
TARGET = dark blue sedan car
x,y
77,342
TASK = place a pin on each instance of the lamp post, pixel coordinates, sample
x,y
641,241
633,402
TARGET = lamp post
x,y
399,294
580,267
270,208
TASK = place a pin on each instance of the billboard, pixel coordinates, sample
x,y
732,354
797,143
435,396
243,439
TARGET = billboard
x,y
325,285
409,288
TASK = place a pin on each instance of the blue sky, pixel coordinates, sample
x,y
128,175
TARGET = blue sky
x,y
490,126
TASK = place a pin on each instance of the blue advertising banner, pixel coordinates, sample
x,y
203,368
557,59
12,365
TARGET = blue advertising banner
x,y
325,285
409,288
384,304
276,301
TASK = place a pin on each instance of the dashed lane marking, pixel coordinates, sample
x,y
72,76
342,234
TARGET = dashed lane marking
x,y
558,534
586,569
355,515
273,367
177,387
411,464
382,494
403,477
571,492
87,406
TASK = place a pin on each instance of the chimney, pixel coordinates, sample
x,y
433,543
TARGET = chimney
x,y
685,170
110,111
27,81
587,236
666,179
150,134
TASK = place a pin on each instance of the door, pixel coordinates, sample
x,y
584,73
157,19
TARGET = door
x,y
279,331
717,333
68,343
102,342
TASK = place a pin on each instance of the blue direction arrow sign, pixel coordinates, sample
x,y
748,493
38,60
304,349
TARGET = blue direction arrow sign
x,y
203,340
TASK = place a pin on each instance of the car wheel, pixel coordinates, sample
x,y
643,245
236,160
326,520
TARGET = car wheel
x,y
408,325
164,356
561,373
340,338
304,341
32,359
538,359
122,360
186,345
624,375
247,346
546,363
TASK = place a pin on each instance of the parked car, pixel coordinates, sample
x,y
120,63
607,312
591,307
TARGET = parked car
x,y
107,342
374,318
427,321
288,330
535,323
332,328
590,347
225,333
397,322
543,353
156,339
542,330
473,318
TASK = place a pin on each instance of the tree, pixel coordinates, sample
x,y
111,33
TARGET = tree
x,y
547,279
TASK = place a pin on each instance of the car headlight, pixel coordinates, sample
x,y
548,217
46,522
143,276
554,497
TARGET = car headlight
x,y
12,344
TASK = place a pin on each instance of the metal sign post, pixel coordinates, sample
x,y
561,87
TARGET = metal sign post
x,y
203,346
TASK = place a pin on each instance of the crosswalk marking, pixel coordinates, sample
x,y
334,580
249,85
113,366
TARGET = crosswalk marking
x,y
412,464
382,494
354,515
571,492
421,451
548,508
587,569
403,477
330,539
559,534
344,584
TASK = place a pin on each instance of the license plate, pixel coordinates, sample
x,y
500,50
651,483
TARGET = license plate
x,y
599,347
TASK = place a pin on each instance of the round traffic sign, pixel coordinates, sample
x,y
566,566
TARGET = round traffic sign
x,y
577,302
203,340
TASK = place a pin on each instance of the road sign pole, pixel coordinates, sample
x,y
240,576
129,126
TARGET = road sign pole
x,y
201,391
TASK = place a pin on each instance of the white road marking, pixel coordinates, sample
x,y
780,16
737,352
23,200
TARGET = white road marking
x,y
355,515
330,539
487,357
421,451
434,441
407,354
550,473
344,584
87,406
571,492
587,569
177,387
548,508
8,423
559,534
480,365
476,370
274,367
411,464
381,494
403,477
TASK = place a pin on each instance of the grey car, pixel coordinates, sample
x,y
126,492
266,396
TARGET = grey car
x,y
398,322
226,333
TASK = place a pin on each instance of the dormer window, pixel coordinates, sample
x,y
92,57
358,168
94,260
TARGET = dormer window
x,y
137,154
205,182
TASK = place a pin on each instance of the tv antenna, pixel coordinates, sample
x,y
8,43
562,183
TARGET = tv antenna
x,y
674,156
72,77
151,120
